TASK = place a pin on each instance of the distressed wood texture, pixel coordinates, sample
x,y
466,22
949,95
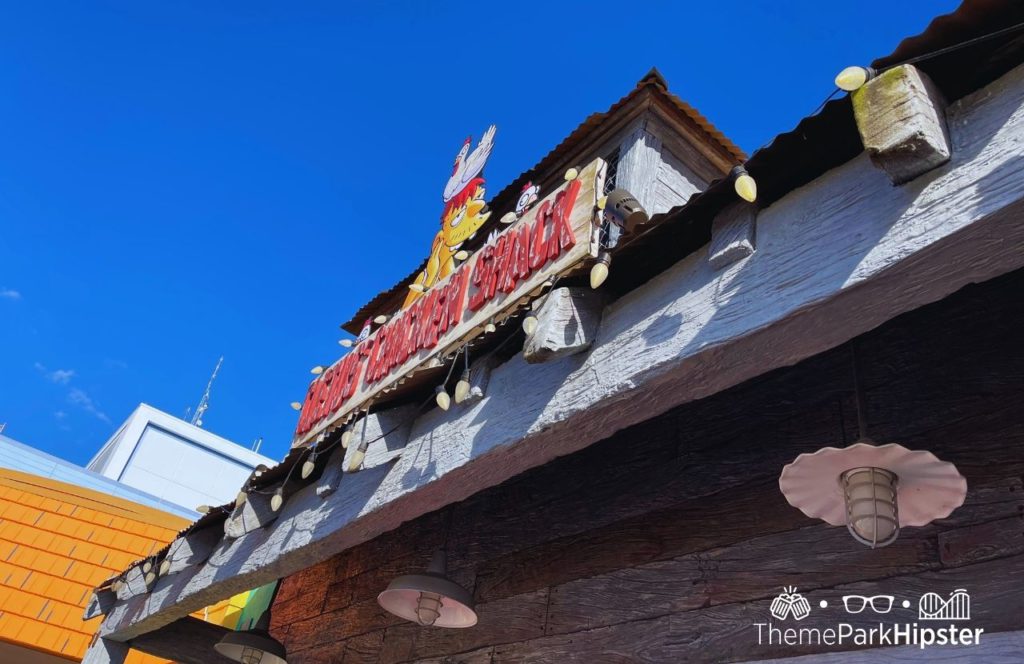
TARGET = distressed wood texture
x,y
668,541
567,324
192,549
835,259
733,235
105,651
902,123
639,162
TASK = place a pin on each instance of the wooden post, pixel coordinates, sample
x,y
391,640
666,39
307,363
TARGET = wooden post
x,y
732,235
902,122
567,323
637,170
105,651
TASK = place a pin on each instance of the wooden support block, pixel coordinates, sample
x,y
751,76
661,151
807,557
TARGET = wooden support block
x,y
105,651
330,480
253,514
479,375
733,234
134,583
567,323
192,548
389,431
902,122
99,604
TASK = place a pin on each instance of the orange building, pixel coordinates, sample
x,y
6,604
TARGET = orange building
x,y
57,542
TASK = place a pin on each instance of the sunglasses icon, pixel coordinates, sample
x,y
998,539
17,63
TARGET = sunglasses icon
x,y
857,603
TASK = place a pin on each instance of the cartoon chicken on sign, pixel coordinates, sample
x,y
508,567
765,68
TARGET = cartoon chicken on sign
x,y
464,213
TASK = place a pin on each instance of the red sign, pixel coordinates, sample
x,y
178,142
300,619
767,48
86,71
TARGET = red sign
x,y
554,236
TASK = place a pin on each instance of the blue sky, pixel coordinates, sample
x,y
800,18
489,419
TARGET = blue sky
x,y
184,180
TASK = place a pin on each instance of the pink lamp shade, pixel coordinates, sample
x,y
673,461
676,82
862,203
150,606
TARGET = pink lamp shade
x,y
927,487
430,599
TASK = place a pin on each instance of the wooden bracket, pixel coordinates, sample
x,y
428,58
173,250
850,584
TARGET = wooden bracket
x,y
567,324
733,234
192,548
901,117
333,472
389,429
253,514
101,601
134,583
105,651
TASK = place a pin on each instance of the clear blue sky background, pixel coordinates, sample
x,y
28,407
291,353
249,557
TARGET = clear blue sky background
x,y
181,180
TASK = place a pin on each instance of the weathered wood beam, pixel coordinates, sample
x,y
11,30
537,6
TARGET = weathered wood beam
x,y
732,234
105,651
567,324
100,602
835,258
254,513
902,122
389,431
136,582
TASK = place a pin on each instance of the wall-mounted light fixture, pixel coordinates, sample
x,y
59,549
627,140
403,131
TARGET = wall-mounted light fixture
x,y
874,490
255,646
430,599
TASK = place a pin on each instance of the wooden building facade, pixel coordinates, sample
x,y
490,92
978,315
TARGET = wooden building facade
x,y
606,487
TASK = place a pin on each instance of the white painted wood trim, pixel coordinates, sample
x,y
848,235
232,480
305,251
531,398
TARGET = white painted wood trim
x,y
835,258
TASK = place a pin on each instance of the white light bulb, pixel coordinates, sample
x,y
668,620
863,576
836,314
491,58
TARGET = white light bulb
x,y
317,370
165,567
461,255
508,218
416,288
241,497
598,274
530,324
346,437
571,174
347,343
296,405
308,467
490,328
204,509
380,320
462,387
746,187
356,460
444,402
853,78
277,501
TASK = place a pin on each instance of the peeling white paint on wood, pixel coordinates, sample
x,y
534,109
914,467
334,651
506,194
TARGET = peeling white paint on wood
x,y
834,259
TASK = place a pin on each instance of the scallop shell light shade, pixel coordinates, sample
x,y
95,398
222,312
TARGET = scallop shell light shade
x,y
927,487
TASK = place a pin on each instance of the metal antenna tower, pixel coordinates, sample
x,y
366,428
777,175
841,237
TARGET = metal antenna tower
x,y
204,403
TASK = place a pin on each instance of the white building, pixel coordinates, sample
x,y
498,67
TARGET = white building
x,y
175,461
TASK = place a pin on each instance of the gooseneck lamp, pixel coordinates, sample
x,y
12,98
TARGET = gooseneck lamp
x,y
430,599
874,490
254,646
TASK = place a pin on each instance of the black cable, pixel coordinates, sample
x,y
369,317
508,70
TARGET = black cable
x,y
956,47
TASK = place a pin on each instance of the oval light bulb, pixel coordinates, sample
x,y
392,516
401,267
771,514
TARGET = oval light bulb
x,y
296,405
241,497
571,174
508,218
444,402
308,467
598,274
380,320
530,324
150,578
462,387
276,501
317,370
461,255
356,460
490,327
346,437
203,509
853,78
746,187
416,288
347,343
165,567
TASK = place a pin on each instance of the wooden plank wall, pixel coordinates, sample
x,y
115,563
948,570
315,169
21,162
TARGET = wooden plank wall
x,y
668,541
